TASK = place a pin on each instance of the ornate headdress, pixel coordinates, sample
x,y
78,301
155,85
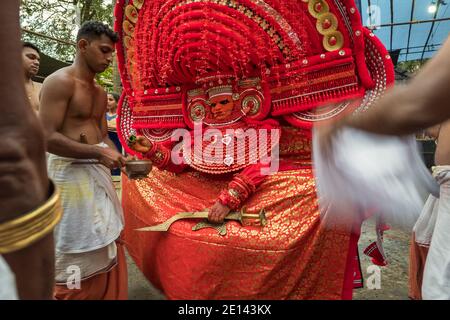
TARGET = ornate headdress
x,y
286,59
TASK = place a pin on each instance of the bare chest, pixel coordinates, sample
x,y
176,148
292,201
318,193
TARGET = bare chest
x,y
87,103
32,92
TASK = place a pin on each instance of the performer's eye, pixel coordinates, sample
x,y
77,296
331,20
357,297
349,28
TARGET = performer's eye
x,y
224,102
213,104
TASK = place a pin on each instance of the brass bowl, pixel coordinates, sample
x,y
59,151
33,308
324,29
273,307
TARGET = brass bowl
x,y
138,169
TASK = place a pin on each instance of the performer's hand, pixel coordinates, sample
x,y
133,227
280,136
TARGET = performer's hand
x,y
111,158
218,212
140,144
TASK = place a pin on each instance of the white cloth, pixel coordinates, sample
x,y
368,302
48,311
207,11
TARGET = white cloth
x,y
8,290
424,227
436,275
93,216
376,173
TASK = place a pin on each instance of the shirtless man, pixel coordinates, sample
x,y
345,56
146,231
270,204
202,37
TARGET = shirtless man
x,y
31,60
73,108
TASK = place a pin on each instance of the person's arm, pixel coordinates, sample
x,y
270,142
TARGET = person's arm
x,y
407,109
240,188
23,175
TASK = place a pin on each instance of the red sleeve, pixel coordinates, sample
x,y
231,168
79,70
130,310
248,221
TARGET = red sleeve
x,y
161,157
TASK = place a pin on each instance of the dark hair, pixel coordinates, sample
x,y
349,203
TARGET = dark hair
x,y
115,96
94,29
31,45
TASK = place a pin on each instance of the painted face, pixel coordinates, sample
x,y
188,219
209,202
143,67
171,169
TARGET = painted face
x,y
221,106
99,53
31,61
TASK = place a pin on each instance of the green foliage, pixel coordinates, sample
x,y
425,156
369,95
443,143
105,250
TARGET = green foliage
x,y
61,19
411,66
105,79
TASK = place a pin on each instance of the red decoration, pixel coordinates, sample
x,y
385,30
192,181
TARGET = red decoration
x,y
318,7
326,24
332,41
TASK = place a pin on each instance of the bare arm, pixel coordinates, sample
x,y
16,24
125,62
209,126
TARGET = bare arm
x,y
23,174
55,97
423,103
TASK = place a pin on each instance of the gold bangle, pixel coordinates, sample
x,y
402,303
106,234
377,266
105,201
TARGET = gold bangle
x,y
23,231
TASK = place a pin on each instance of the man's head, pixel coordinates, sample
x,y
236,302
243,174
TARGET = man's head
x,y
31,59
95,45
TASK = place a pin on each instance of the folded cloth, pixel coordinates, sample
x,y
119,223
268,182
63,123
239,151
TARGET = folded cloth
x,y
88,263
424,227
8,290
377,173
93,216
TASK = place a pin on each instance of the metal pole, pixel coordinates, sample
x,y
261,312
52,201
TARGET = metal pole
x,y
410,27
438,5
49,37
392,21
409,23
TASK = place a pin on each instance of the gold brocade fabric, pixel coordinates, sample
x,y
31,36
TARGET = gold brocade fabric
x,y
292,257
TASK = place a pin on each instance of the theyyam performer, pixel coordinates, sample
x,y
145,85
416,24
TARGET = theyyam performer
x,y
221,96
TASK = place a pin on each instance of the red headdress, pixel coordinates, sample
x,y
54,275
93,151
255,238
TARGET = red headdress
x,y
274,58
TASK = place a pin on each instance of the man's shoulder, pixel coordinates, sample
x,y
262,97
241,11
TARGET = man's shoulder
x,y
99,88
60,81
62,78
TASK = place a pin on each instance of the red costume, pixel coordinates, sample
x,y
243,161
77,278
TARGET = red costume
x,y
243,65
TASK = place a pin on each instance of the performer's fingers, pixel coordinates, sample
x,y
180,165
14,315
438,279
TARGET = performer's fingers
x,y
210,214
215,216
220,218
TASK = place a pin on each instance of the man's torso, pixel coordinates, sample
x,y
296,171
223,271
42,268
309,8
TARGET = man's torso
x,y
33,89
84,112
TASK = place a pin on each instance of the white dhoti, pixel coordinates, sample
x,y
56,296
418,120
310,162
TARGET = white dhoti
x,y
434,228
92,219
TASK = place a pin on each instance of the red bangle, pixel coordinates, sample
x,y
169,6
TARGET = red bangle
x,y
150,153
228,199
159,156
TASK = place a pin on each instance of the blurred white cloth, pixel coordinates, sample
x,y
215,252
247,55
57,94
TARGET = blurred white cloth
x,y
376,173
435,228
8,290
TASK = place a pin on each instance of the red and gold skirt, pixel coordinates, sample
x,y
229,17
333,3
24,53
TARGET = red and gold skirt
x,y
292,257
